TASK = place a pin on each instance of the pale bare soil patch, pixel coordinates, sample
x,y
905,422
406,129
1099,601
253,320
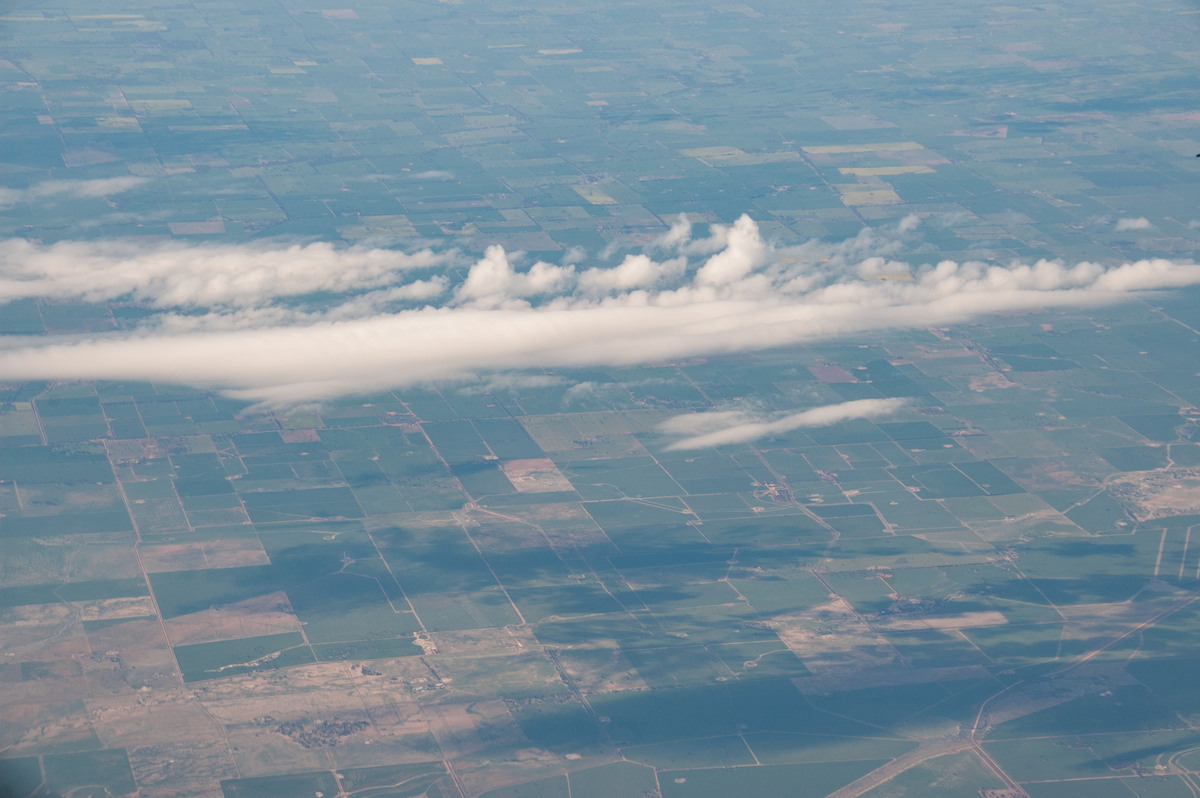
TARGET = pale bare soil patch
x,y
539,475
202,554
33,726
965,620
1162,493
1042,473
262,615
481,642
990,381
831,638
604,669
132,655
488,770
463,728
51,631
299,435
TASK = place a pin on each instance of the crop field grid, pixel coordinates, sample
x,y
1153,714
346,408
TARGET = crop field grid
x,y
651,573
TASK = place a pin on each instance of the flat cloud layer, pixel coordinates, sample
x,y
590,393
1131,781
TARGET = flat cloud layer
x,y
175,275
739,294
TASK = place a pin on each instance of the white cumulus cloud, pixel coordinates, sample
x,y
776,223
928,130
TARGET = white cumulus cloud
x,y
1127,223
493,282
636,271
744,251
228,319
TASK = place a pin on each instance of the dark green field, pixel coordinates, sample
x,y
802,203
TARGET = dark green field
x,y
311,485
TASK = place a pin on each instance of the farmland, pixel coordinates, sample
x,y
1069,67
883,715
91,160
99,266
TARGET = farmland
x,y
527,581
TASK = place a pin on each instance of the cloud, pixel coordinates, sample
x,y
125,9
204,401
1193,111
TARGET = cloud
x,y
636,271
1124,224
229,319
679,234
584,393
744,251
185,276
705,430
493,282
103,187
510,383
703,423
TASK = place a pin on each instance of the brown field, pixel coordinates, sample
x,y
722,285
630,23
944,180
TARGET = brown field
x,y
44,560
31,726
606,670
41,632
262,615
1158,494
497,531
965,620
483,642
538,475
991,380
1042,473
202,554
830,374
133,654
831,639
457,726
181,769
299,435
202,734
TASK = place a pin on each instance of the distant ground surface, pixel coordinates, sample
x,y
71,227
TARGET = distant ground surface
x,y
515,585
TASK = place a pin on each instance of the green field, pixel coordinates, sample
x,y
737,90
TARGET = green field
x,y
358,362
232,657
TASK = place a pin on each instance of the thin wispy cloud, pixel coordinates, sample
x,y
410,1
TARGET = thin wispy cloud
x,y
229,318
507,383
50,189
722,428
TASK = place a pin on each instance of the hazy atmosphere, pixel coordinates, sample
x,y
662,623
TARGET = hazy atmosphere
x,y
525,400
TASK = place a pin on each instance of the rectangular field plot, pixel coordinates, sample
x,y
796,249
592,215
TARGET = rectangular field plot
x,y
93,772
280,786
562,726
481,609
92,590
541,603
774,748
678,666
618,478
184,592
948,776
618,778
455,284
344,606
232,657
638,717
1131,708
710,752
298,505
818,779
